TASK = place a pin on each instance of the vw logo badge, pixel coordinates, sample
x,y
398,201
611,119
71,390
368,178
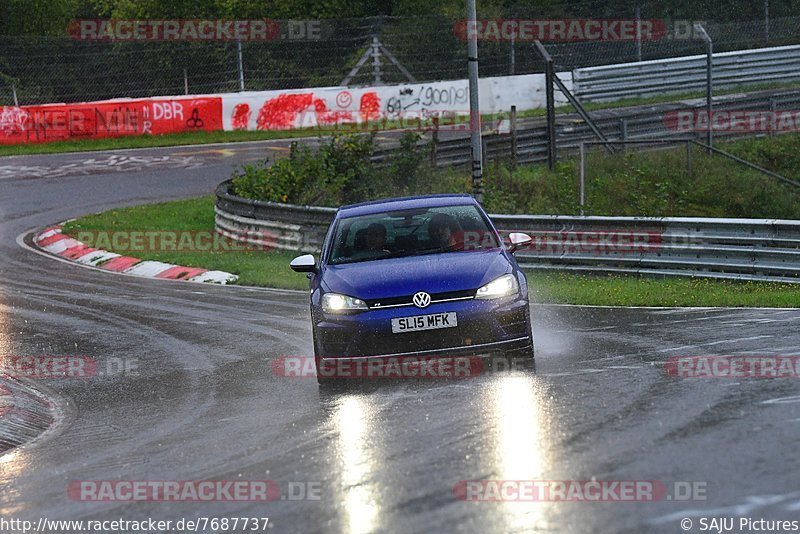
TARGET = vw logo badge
x,y
421,299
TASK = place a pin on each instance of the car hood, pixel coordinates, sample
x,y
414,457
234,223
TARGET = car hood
x,y
433,273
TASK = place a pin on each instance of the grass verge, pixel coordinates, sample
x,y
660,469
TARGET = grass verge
x,y
147,141
271,269
569,288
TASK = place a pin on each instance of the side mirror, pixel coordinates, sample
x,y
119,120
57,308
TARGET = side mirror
x,y
304,264
518,239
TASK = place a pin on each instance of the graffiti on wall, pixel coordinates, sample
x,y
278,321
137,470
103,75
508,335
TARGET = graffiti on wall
x,y
273,110
35,124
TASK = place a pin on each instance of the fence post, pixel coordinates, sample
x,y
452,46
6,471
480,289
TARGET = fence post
x,y
623,128
709,82
477,145
514,135
376,60
551,106
513,54
638,17
239,63
14,92
185,82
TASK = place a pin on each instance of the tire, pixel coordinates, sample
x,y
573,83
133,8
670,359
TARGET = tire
x,y
321,380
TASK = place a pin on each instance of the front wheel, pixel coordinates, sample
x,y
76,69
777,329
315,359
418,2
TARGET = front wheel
x,y
321,380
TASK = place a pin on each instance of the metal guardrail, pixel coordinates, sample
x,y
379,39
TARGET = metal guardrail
x,y
288,227
640,123
742,249
685,74
745,249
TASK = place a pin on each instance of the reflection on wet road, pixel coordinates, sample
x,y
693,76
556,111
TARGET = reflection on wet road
x,y
205,404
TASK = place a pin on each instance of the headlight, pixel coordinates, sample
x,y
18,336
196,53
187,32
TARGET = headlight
x,y
499,287
335,303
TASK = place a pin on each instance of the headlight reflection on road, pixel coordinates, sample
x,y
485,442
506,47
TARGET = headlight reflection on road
x,y
12,465
352,419
520,415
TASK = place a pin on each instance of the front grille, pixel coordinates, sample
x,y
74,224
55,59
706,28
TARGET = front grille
x,y
372,344
407,300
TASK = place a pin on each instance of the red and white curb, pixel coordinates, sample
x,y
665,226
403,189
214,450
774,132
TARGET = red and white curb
x,y
54,242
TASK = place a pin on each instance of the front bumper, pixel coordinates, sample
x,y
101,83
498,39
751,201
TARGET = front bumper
x,y
484,326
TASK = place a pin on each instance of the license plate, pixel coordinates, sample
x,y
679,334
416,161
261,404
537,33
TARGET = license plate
x,y
424,322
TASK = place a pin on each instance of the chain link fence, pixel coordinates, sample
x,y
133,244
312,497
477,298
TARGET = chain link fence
x,y
60,69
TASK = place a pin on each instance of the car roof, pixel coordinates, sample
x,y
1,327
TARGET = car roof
x,y
404,203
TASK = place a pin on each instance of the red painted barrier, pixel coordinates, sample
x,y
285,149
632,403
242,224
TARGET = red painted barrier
x,y
93,120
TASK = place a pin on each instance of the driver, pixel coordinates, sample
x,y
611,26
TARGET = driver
x,y
376,237
443,230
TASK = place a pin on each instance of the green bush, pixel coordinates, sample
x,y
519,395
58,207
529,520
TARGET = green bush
x,y
330,174
653,183
338,172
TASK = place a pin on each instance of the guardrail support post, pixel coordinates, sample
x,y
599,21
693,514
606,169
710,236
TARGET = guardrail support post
x,y
434,141
623,128
689,157
513,135
583,177
772,108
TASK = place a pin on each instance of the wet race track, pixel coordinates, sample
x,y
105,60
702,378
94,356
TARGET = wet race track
x,y
204,403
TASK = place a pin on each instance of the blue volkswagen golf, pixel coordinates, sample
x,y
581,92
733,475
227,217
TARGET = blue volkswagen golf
x,y
416,276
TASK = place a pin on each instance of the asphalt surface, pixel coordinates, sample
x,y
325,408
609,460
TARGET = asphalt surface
x,y
204,404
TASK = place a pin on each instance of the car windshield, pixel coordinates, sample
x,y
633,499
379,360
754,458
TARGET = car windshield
x,y
412,232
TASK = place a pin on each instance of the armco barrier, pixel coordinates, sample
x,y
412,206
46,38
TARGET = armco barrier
x,y
686,74
295,227
657,121
745,249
